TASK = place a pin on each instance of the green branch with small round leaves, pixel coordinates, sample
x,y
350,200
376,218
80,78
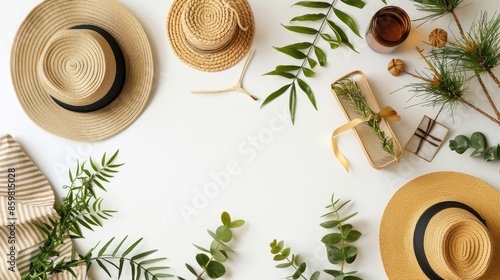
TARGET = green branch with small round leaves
x,y
211,260
338,246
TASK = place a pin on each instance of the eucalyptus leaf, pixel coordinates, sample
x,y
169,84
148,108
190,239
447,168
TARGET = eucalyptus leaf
x,y
215,270
460,144
478,141
224,233
333,272
334,254
202,260
353,236
236,224
284,265
347,20
332,239
225,218
315,276
350,253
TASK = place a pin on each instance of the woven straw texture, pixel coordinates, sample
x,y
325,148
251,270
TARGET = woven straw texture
x,y
461,242
34,203
204,33
41,26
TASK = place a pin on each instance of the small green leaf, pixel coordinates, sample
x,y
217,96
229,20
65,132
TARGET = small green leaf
x,y
347,20
299,46
309,17
279,257
286,252
308,72
218,255
312,62
315,276
224,234
313,4
332,42
292,103
287,68
352,236
103,249
330,224
320,54
355,3
282,74
237,224
215,270
202,259
332,239
103,267
308,91
225,218
478,141
341,34
460,144
275,94
334,254
334,273
352,277
291,52
142,255
284,265
350,253
191,269
301,29
131,247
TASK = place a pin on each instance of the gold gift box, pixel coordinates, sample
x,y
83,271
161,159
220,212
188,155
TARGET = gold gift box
x,y
376,155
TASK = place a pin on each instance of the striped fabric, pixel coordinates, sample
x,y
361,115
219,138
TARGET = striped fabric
x,y
25,197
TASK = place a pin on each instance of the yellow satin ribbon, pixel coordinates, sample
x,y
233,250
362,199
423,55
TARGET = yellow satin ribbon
x,y
386,113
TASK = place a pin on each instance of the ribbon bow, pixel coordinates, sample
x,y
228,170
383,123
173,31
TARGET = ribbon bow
x,y
386,113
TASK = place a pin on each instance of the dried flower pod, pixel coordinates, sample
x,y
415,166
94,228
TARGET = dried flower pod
x,y
438,38
396,67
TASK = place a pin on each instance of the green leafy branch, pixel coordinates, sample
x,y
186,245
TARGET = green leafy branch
x,y
82,208
211,260
477,140
303,51
349,90
338,246
282,253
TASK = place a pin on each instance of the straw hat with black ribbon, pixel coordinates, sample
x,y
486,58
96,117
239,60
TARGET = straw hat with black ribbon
x,y
210,35
82,69
443,225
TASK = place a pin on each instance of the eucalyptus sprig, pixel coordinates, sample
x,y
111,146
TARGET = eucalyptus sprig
x,y
339,246
82,208
304,52
211,260
348,90
477,140
284,254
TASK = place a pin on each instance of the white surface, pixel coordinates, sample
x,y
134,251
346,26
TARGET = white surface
x,y
283,174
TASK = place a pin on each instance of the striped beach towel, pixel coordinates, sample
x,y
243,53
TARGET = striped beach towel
x,y
25,197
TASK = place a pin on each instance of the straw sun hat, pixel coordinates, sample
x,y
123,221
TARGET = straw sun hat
x,y
82,69
210,35
442,225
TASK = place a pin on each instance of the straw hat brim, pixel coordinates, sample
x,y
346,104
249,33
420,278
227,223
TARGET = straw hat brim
x,y
215,61
411,200
40,25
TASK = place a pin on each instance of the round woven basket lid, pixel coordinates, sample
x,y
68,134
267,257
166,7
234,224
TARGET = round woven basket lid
x,y
446,223
210,35
52,64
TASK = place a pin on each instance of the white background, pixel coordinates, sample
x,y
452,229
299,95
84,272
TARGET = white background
x,y
285,174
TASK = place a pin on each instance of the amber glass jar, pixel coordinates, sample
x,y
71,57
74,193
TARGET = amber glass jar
x,y
388,28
